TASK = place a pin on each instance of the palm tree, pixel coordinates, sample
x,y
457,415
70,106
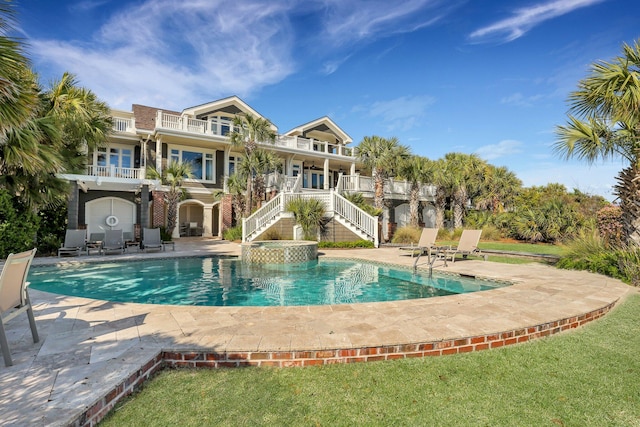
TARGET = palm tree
x,y
84,120
248,131
440,182
237,185
18,87
465,174
255,166
500,188
417,170
172,176
605,124
309,214
382,156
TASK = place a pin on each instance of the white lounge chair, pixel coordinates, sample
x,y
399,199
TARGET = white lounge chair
x,y
113,242
468,245
425,244
14,298
74,242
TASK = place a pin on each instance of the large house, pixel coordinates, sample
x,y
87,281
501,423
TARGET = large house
x,y
317,161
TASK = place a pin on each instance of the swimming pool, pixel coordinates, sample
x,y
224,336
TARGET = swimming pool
x,y
226,281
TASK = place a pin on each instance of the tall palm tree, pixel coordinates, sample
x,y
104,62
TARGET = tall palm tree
x,y
18,86
84,120
248,132
382,156
237,185
255,166
499,189
417,170
172,176
605,124
465,172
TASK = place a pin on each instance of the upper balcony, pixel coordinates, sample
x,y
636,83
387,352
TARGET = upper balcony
x,y
218,127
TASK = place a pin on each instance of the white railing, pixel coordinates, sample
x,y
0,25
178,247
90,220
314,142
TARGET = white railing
x,y
365,184
262,216
121,124
222,127
333,203
115,172
360,219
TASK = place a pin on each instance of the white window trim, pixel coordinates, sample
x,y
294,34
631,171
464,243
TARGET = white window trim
x,y
203,151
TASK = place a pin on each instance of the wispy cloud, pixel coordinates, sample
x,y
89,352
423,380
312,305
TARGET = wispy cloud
x,y
524,19
349,22
501,149
399,114
519,100
177,54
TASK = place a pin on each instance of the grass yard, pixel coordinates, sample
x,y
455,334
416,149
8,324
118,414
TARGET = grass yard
x,y
586,377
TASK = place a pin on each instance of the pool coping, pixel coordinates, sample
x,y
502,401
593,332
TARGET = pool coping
x,y
125,344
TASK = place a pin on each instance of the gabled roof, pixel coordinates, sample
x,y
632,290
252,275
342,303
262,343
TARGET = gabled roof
x,y
322,126
231,105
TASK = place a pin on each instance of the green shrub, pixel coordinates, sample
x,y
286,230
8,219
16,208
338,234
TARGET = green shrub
x,y
406,234
18,226
233,233
591,252
164,235
309,214
346,245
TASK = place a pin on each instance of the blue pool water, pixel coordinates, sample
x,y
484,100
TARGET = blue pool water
x,y
219,281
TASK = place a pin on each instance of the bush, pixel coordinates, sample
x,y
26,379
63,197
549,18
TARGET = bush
x,y
346,245
592,253
164,235
18,226
406,235
232,234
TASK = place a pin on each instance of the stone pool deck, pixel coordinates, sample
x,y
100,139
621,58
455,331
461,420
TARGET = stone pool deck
x,y
91,353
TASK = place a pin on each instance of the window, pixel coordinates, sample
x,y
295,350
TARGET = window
x,y
202,162
221,125
234,163
111,160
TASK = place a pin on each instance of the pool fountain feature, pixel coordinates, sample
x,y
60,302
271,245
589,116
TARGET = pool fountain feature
x,y
279,252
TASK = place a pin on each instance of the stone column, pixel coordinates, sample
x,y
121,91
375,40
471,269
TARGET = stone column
x,y
206,221
144,206
73,206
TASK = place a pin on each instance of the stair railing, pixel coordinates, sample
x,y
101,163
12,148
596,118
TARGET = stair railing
x,y
262,216
366,223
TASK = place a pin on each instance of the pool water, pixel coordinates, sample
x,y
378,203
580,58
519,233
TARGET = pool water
x,y
220,281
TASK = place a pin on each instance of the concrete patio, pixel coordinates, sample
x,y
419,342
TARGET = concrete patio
x,y
89,347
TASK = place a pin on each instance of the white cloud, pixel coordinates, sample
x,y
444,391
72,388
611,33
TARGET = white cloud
x,y
177,54
501,149
519,100
352,21
398,114
524,19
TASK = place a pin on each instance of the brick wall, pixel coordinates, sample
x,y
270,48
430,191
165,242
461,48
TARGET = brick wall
x,y
157,219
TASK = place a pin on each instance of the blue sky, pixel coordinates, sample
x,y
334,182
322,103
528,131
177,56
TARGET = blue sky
x,y
485,77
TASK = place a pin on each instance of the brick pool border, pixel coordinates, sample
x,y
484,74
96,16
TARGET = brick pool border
x,y
164,359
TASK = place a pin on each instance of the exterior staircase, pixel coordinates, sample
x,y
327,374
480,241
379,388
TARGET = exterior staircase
x,y
337,207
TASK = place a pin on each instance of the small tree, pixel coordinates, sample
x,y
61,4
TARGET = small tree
x,y
172,176
309,214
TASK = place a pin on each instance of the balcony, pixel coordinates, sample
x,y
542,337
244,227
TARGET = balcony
x,y
216,127
392,188
122,124
115,172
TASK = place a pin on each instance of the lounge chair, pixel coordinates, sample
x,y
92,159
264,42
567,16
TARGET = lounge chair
x,y
14,298
113,242
468,245
151,239
425,244
74,242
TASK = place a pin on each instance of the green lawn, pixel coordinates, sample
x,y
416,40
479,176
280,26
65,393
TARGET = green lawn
x,y
586,377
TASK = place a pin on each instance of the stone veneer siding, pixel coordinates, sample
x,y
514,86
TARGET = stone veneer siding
x,y
211,359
